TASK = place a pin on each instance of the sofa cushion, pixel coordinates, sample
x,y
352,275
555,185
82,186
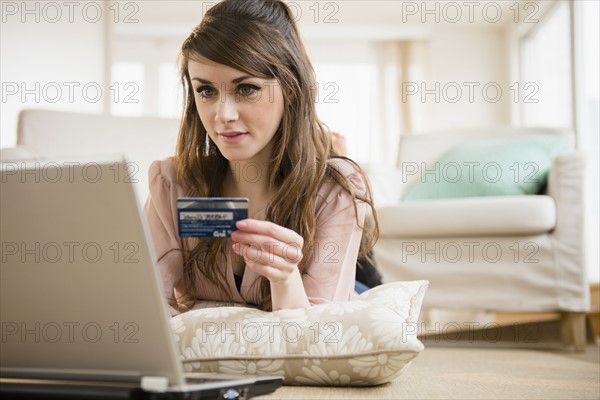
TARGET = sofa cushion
x,y
489,168
501,215
366,341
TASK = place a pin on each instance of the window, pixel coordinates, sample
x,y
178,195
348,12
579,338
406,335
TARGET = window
x,y
347,104
358,94
546,72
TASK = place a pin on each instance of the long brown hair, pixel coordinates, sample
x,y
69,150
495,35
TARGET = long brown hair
x,y
260,38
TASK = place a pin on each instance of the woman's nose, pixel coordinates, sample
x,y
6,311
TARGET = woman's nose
x,y
227,108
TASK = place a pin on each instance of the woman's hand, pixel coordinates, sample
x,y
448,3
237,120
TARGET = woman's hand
x,y
274,252
268,249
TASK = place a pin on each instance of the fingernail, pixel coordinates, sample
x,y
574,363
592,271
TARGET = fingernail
x,y
242,224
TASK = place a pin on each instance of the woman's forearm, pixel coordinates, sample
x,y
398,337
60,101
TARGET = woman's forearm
x,y
289,294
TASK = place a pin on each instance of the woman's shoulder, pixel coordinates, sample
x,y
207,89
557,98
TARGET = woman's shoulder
x,y
342,189
345,166
162,173
348,170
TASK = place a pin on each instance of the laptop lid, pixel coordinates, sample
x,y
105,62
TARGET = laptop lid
x,y
80,293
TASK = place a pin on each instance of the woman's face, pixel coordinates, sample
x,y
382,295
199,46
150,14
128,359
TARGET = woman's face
x,y
241,113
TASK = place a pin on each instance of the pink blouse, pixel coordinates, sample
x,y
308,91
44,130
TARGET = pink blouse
x,y
330,274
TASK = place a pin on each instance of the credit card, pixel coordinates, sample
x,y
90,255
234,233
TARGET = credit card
x,y
210,217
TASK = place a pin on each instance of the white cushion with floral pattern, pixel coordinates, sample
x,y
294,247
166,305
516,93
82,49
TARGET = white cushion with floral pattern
x,y
368,340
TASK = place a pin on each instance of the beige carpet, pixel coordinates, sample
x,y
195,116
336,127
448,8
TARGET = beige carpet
x,y
478,373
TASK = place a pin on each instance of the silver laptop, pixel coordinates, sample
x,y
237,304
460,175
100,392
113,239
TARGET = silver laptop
x,y
82,308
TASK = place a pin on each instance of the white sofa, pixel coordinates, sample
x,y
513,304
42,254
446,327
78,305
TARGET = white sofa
x,y
46,134
484,254
417,237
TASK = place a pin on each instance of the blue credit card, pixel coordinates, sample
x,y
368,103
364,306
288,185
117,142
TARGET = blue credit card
x,y
210,217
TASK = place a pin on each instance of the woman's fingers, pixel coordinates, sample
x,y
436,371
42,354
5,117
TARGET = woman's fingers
x,y
272,267
256,246
271,273
265,241
269,249
269,229
258,255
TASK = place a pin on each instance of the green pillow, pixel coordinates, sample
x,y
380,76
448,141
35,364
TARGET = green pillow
x,y
489,168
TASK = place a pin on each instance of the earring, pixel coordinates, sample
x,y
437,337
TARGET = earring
x,y
207,145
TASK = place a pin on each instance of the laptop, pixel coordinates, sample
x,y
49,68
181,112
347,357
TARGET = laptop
x,y
82,308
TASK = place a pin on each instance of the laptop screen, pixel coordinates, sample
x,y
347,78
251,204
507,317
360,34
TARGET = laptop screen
x,y
79,287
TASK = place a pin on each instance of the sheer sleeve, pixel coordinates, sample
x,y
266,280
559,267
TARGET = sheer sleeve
x,y
331,272
161,211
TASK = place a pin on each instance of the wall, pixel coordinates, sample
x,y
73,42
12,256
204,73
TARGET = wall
x,y
470,67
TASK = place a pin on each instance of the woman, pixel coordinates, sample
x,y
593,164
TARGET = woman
x,y
250,106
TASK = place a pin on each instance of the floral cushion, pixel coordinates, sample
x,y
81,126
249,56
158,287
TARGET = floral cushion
x,y
368,340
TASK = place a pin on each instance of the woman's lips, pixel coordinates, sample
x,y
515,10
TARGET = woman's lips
x,y
232,137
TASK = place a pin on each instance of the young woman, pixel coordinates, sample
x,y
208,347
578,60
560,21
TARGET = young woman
x,y
250,129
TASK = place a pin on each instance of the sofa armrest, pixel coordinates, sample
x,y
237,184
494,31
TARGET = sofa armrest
x,y
566,185
17,153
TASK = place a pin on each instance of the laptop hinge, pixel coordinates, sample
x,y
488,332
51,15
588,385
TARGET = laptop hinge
x,y
155,383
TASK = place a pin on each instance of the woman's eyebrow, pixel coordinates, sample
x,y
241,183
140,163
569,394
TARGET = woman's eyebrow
x,y
236,80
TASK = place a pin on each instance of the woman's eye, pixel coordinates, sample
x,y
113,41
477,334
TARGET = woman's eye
x,y
205,91
248,89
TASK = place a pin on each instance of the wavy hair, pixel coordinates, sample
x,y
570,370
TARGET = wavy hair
x,y
260,38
